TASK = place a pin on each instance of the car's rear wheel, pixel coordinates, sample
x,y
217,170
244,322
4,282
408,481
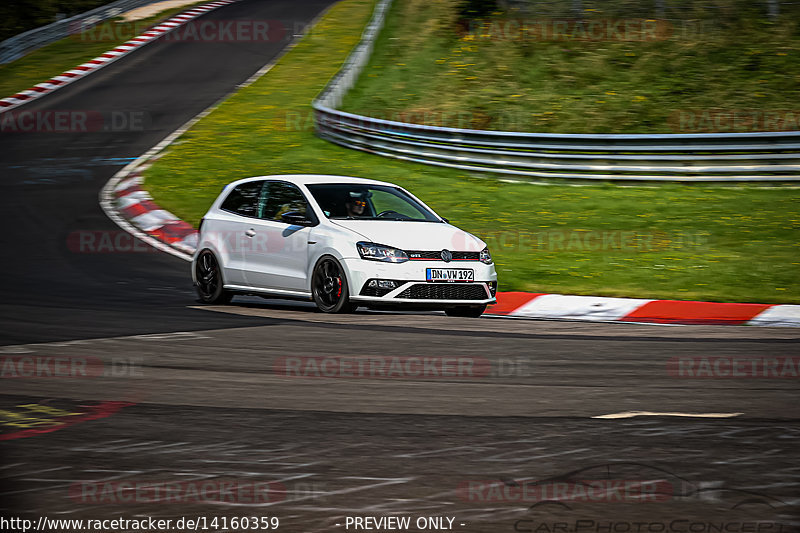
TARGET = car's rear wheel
x,y
210,285
329,287
471,311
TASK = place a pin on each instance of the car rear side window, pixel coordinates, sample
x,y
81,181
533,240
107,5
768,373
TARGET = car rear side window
x,y
282,198
244,199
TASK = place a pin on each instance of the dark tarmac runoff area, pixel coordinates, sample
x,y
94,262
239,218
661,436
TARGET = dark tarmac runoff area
x,y
128,406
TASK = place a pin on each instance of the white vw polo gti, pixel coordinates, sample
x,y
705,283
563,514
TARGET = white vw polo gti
x,y
342,242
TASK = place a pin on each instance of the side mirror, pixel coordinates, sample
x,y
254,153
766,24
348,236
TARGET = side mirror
x,y
295,218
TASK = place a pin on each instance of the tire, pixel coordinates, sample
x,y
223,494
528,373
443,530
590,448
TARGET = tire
x,y
473,311
329,287
209,280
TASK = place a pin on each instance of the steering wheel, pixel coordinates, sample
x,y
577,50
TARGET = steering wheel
x,y
388,212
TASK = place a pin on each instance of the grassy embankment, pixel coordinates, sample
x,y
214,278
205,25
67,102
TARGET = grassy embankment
x,y
618,72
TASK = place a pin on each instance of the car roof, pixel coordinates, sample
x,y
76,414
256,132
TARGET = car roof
x,y
309,179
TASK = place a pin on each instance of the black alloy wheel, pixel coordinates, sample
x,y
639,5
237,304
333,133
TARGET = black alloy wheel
x,y
329,287
209,280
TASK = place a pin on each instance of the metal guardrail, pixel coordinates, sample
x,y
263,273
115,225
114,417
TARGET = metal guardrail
x,y
756,156
19,45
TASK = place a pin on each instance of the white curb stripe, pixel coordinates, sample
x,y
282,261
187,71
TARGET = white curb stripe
x,y
128,183
579,307
778,315
153,220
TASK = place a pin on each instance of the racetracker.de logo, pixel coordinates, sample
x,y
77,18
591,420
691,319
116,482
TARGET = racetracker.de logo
x,y
382,367
733,121
728,367
583,240
199,491
196,31
97,242
36,366
39,366
73,121
593,30
586,490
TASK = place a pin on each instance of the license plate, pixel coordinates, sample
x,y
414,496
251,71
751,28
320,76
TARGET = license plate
x,y
450,275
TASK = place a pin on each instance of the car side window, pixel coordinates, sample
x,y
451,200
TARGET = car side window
x,y
244,199
281,198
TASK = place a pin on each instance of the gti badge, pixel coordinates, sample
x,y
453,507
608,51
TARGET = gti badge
x,y
447,256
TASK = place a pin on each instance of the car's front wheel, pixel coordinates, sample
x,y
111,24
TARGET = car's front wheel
x,y
329,287
472,311
209,279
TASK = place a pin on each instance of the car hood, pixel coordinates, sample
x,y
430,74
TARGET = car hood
x,y
415,235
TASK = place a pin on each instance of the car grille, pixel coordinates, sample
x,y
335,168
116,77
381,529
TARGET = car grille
x,y
444,291
436,255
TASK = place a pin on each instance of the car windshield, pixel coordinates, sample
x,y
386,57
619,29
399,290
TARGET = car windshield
x,y
369,202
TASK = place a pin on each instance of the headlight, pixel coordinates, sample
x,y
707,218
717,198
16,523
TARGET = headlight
x,y
378,252
486,257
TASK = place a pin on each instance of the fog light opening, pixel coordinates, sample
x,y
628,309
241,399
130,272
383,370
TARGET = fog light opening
x,y
379,287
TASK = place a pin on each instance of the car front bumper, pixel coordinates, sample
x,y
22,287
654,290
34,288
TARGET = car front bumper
x,y
413,288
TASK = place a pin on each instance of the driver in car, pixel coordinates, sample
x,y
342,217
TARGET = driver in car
x,y
356,206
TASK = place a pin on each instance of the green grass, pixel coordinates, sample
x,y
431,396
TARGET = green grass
x,y
686,242
60,56
431,67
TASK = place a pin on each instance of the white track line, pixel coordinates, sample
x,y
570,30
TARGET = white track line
x,y
631,414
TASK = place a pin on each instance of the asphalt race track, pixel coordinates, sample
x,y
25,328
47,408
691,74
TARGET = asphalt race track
x,y
191,394
50,185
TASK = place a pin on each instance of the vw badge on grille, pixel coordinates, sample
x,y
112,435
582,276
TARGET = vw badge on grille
x,y
447,256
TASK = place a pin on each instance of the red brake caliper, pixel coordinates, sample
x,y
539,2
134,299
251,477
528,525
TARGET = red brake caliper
x,y
339,291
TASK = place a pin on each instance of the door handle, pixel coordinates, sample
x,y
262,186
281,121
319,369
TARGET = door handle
x,y
250,233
